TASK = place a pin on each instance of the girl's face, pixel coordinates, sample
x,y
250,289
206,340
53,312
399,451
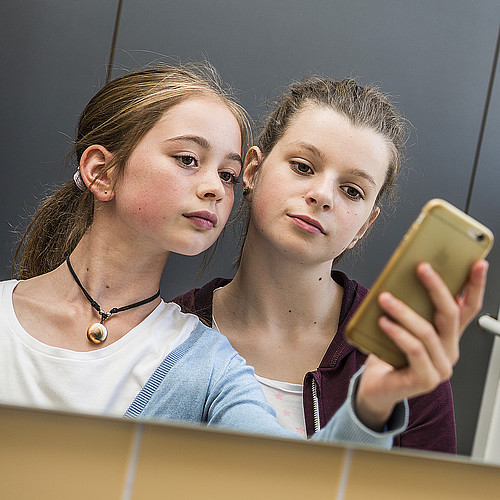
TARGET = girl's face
x,y
314,195
176,192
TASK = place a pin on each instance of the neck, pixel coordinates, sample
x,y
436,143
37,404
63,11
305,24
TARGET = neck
x,y
281,292
112,274
52,304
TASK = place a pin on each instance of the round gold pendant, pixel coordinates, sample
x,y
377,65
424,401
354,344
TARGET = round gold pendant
x,y
97,333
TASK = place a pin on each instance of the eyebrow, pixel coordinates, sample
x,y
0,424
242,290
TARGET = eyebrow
x,y
201,141
362,173
312,149
315,151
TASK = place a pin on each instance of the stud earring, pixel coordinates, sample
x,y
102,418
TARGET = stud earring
x,y
246,191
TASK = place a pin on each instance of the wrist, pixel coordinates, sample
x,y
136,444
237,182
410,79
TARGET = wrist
x,y
370,415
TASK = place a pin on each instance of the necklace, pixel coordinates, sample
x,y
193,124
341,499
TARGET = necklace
x,y
97,332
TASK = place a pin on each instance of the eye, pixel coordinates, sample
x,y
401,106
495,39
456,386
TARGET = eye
x,y
187,160
301,168
228,177
353,193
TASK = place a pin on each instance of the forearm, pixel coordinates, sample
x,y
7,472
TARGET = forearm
x,y
346,427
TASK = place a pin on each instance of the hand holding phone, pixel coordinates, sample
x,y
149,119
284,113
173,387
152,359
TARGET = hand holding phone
x,y
442,235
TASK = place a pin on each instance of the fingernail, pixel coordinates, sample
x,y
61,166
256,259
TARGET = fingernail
x,y
486,267
387,298
426,268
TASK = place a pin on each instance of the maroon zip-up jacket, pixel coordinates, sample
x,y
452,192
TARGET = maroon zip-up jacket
x,y
432,419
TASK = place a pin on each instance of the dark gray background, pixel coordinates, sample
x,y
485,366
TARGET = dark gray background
x,y
434,56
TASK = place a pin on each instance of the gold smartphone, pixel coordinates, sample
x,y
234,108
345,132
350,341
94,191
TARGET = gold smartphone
x,y
451,241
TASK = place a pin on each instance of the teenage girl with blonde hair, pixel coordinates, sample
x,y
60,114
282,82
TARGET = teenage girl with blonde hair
x,y
83,327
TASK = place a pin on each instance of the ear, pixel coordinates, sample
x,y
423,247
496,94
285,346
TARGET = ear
x,y
364,227
92,169
253,160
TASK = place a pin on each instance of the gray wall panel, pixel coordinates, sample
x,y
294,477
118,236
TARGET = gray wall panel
x,y
54,56
469,376
433,56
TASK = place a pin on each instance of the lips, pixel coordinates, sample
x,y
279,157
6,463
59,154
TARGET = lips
x,y
202,219
307,223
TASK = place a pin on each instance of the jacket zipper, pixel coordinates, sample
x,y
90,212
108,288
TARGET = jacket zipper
x,y
315,406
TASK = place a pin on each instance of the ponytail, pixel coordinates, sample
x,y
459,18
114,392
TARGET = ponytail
x,y
54,231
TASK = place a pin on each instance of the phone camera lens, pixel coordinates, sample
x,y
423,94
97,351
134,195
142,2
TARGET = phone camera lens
x,y
475,234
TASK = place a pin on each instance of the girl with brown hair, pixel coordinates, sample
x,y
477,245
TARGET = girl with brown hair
x,y
326,159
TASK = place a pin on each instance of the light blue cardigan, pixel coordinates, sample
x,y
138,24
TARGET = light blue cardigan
x,y
205,380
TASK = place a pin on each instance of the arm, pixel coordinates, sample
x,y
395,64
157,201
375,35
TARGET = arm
x,y
432,349
204,380
239,404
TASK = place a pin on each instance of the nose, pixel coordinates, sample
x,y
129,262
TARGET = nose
x,y
211,185
320,195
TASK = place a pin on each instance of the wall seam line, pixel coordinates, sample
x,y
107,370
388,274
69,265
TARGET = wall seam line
x,y
483,124
132,463
113,42
344,477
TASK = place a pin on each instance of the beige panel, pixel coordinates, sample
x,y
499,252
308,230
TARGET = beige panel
x,y
194,464
50,455
393,476
56,456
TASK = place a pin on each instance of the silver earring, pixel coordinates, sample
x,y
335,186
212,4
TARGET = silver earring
x,y
77,178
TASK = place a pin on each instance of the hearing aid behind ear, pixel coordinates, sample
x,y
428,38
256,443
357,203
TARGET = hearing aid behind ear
x,y
445,237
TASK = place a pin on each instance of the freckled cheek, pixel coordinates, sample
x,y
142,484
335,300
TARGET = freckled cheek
x,y
150,206
146,212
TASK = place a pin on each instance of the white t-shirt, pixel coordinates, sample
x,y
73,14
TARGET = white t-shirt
x,y
103,381
286,399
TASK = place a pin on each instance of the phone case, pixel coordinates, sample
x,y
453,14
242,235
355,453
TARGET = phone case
x,y
451,241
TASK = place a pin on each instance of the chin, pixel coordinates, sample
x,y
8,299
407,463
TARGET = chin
x,y
307,255
192,253
191,249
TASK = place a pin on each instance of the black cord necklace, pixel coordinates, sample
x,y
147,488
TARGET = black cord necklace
x,y
97,332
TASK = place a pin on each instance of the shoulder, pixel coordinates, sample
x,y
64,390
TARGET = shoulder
x,y
354,293
203,294
6,290
198,301
352,289
8,285
205,342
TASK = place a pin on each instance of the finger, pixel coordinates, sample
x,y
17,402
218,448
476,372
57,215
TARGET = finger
x,y
442,346
424,371
447,311
408,318
471,300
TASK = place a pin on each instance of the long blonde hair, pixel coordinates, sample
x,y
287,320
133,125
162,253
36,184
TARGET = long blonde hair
x,y
117,117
